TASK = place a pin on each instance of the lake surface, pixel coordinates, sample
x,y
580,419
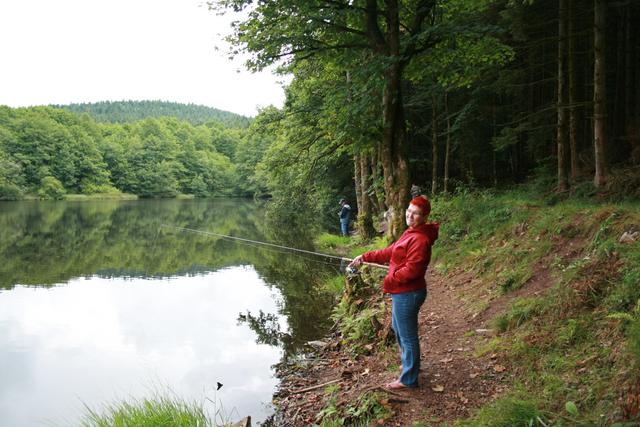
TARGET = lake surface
x,y
102,302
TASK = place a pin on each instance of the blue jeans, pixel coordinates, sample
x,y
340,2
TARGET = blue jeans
x,y
344,226
404,321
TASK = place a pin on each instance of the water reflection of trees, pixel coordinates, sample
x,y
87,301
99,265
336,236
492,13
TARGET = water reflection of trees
x,y
265,325
45,243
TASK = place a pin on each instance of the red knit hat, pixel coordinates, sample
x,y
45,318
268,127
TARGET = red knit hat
x,y
423,203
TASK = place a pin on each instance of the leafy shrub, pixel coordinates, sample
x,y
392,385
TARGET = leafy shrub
x,y
359,329
10,191
93,188
51,188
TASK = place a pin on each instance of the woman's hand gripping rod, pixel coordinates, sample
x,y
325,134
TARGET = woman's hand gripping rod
x,y
357,262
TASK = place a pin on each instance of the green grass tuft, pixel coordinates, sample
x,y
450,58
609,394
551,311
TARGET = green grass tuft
x,y
513,410
157,411
521,310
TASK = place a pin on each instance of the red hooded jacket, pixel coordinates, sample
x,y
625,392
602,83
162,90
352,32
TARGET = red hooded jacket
x,y
408,259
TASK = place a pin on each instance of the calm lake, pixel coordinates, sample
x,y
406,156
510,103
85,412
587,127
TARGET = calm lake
x,y
102,302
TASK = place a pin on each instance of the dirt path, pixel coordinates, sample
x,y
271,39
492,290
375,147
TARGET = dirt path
x,y
453,380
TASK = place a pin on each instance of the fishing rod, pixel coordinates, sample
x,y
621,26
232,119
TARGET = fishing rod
x,y
240,239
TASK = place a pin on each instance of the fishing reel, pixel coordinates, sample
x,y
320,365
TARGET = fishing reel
x,y
351,270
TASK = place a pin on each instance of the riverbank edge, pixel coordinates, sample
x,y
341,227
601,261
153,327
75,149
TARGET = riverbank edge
x,y
492,292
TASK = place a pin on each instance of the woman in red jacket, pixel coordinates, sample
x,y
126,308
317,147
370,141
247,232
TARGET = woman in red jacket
x,y
408,259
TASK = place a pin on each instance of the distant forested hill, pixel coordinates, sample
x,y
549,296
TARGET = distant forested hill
x,y
130,111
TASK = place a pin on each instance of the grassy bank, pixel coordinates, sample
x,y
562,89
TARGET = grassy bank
x,y
558,281
99,196
572,289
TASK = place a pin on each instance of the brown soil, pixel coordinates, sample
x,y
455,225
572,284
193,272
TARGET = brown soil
x,y
453,381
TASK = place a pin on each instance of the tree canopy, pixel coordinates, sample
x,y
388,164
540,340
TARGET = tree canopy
x,y
445,95
48,152
131,111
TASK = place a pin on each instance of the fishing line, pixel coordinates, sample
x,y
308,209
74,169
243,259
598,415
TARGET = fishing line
x,y
331,263
300,256
273,245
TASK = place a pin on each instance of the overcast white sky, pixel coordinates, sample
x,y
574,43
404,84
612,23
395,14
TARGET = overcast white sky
x,y
71,51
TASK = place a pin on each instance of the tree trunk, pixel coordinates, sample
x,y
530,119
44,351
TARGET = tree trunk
x,y
494,161
395,165
619,97
365,210
599,106
393,151
628,66
561,138
636,110
447,148
357,180
378,192
434,147
573,99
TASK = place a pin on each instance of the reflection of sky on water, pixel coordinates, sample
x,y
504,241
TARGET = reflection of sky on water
x,y
99,341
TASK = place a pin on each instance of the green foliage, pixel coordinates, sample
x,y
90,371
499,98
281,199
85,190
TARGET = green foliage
x,y
573,332
329,415
108,195
132,111
359,329
11,181
572,342
366,409
154,157
93,188
51,188
471,220
10,191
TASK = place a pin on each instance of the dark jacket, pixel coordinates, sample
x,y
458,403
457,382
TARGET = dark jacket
x,y
408,259
345,211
